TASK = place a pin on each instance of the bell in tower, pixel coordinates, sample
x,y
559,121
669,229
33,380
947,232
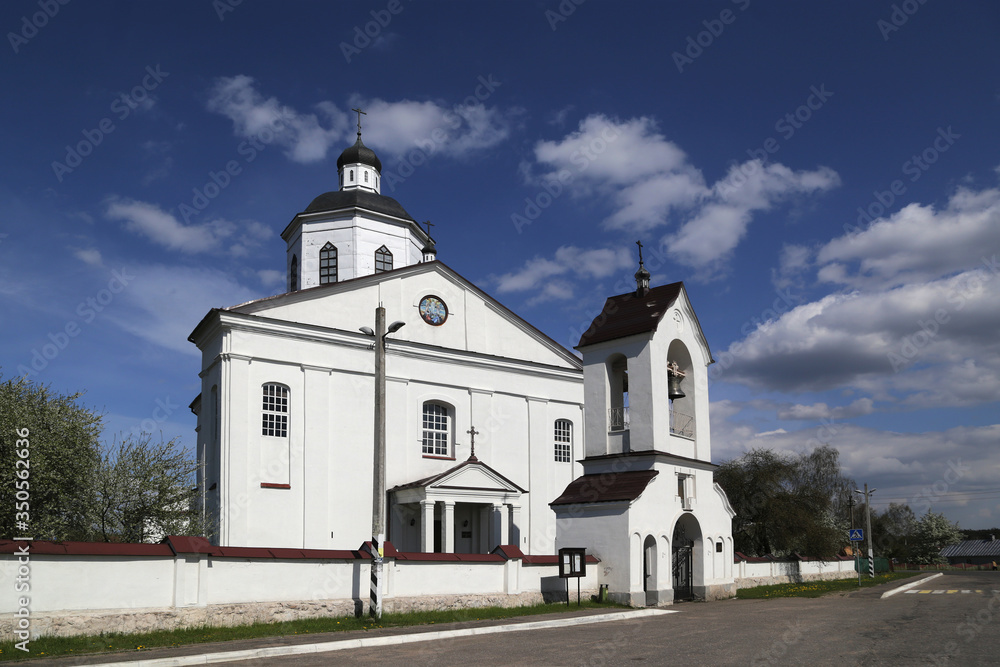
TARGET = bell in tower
x,y
674,376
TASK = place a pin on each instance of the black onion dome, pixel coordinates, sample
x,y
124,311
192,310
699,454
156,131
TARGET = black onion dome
x,y
359,153
340,199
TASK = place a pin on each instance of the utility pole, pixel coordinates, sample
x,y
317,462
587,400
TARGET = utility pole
x,y
378,470
868,527
378,467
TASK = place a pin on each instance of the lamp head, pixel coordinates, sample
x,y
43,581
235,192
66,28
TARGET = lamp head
x,y
367,331
395,326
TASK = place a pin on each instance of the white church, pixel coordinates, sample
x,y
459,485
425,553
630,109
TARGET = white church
x,y
496,435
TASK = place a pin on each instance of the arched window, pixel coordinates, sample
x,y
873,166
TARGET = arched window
x,y
564,440
383,260
328,264
352,175
293,274
366,176
682,406
618,416
274,413
436,429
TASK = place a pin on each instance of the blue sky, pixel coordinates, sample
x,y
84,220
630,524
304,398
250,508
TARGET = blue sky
x,y
824,178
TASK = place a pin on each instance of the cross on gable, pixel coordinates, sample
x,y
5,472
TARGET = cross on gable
x,y
473,433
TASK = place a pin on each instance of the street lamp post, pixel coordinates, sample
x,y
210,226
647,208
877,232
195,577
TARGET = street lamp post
x,y
378,469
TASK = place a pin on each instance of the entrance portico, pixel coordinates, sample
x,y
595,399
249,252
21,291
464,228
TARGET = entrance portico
x,y
470,508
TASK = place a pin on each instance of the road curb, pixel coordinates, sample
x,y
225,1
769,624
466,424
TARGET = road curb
x,y
910,585
363,642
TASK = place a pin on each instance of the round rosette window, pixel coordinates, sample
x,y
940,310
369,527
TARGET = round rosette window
x,y
433,310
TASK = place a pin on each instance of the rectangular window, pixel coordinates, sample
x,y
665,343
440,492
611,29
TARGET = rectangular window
x,y
435,430
274,413
564,441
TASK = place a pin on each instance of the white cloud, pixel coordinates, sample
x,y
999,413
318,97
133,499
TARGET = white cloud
x,y
793,262
163,304
917,243
570,262
391,128
876,340
253,115
157,225
271,277
90,256
652,184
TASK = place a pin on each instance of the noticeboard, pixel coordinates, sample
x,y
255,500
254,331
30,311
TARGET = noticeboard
x,y
572,562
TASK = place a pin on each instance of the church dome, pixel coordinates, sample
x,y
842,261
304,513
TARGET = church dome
x,y
359,153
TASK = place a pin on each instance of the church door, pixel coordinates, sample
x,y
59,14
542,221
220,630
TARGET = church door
x,y
683,551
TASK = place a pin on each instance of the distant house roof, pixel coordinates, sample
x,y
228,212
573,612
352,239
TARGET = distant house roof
x,y
968,548
606,488
628,314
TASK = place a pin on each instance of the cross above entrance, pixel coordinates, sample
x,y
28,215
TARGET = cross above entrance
x,y
473,433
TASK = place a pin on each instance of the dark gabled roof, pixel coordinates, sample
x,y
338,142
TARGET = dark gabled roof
x,y
606,487
628,314
968,548
427,481
340,199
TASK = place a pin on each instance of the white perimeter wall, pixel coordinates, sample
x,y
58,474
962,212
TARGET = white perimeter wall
x,y
749,574
67,592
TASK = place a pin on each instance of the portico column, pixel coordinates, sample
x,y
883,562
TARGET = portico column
x,y
448,527
498,526
427,526
515,525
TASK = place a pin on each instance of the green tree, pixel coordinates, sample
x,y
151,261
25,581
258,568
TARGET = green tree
x,y
144,491
933,533
893,531
785,503
54,470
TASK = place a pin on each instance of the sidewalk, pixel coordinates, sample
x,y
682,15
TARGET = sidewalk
x,y
331,641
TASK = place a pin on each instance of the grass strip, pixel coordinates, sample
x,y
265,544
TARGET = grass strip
x,y
54,647
815,589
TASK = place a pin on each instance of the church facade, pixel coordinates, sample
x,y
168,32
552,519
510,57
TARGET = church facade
x,y
494,432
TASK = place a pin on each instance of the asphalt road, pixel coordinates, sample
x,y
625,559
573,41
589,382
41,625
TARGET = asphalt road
x,y
858,628
950,620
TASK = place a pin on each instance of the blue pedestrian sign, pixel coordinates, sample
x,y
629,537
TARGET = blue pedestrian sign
x,y
857,535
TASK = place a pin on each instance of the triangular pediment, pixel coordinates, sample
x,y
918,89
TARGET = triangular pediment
x,y
475,475
474,321
470,481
